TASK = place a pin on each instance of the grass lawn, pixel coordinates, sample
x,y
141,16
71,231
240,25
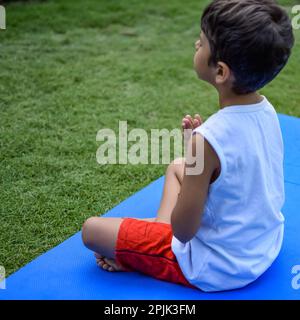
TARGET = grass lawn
x,y
70,68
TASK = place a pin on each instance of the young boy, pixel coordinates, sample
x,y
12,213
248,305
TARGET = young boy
x,y
223,228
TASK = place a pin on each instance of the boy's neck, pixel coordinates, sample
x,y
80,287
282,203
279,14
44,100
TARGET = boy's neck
x,y
226,100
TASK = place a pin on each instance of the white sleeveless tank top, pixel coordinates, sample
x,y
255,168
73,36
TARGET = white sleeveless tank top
x,y
241,229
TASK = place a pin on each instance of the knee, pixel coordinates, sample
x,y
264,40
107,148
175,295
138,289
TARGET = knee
x,y
88,228
178,162
177,167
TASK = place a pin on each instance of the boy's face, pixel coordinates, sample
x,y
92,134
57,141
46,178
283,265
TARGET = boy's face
x,y
201,58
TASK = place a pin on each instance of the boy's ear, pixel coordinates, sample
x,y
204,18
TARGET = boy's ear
x,y
223,73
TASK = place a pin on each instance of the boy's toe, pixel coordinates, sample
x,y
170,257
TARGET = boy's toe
x,y
98,255
100,263
104,266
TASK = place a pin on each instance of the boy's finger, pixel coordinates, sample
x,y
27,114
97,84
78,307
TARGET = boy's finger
x,y
196,123
186,123
189,119
197,116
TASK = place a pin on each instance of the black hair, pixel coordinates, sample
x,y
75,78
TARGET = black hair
x,y
253,37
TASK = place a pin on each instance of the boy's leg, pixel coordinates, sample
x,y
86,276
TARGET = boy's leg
x,y
100,233
173,180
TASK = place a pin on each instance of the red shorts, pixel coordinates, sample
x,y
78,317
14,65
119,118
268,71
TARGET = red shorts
x,y
145,246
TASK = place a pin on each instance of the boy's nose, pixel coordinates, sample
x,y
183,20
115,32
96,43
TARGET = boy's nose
x,y
197,44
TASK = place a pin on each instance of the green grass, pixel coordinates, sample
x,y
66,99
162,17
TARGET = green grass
x,y
70,68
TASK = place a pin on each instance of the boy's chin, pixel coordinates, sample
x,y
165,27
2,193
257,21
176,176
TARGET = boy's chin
x,y
201,76
198,74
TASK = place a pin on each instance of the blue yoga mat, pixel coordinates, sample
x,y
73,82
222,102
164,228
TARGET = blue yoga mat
x,y
69,271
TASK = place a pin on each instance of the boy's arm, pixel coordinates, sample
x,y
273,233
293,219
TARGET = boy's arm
x,y
186,215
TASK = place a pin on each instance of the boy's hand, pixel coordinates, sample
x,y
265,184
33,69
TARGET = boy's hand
x,y
190,123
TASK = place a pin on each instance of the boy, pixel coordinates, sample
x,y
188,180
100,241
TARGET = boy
x,y
223,228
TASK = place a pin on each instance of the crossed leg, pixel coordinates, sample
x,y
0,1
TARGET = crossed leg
x,y
100,233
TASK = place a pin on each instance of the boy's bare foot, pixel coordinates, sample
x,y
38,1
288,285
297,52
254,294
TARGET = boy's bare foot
x,y
107,264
